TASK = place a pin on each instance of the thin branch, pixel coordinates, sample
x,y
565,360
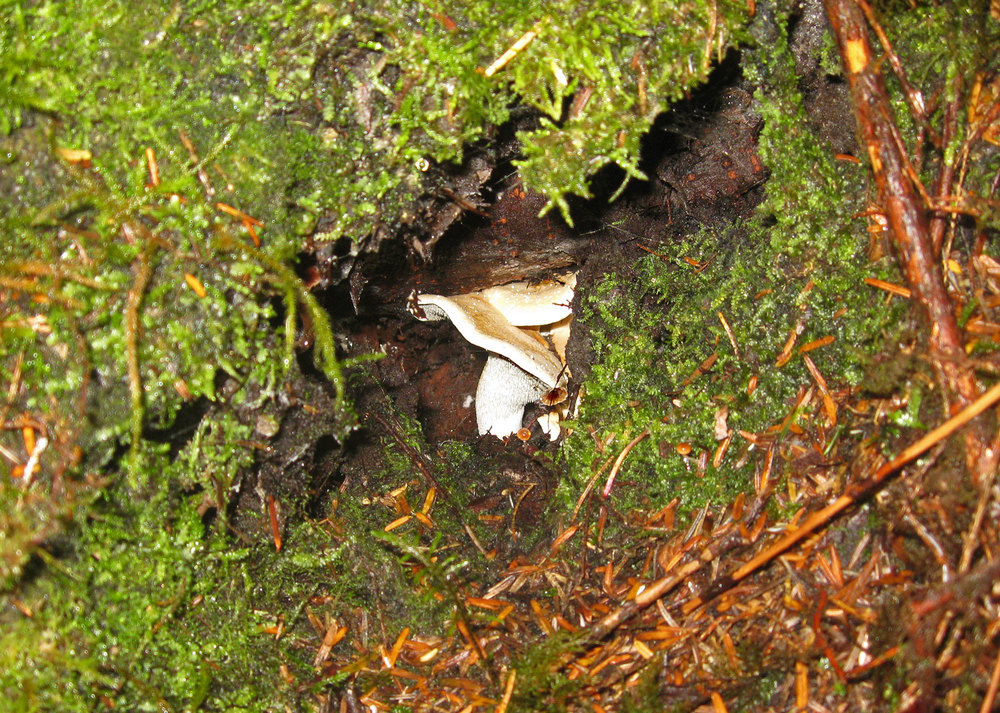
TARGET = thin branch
x,y
908,220
944,184
865,487
914,98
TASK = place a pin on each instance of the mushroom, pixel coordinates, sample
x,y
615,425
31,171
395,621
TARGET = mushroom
x,y
511,322
504,391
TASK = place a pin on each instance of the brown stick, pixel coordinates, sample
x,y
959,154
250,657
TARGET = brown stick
x,y
913,98
654,591
866,487
907,217
946,173
991,692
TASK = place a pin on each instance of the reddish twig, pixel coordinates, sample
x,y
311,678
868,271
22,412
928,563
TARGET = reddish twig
x,y
621,459
914,98
857,491
943,185
908,218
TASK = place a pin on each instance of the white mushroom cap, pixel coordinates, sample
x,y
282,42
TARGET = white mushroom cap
x,y
503,392
482,324
527,304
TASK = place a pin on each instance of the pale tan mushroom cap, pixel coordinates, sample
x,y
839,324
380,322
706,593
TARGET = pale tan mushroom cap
x,y
485,326
559,333
526,304
512,322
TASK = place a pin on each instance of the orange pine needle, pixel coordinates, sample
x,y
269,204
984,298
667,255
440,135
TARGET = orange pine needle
x,y
28,435
801,685
888,287
642,649
237,213
508,692
718,705
272,512
473,641
817,343
566,534
482,603
507,56
398,522
729,333
81,156
398,646
621,459
195,284
828,404
154,170
424,520
334,635
540,615
786,352
429,501
253,233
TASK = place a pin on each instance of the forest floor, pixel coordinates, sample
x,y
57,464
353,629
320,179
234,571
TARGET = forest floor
x,y
776,489
860,561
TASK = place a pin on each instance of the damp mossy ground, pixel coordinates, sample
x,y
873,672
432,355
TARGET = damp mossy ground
x,y
147,149
135,295
150,604
152,612
146,146
324,118
703,340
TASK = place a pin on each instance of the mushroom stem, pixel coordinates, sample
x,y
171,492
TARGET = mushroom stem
x,y
504,391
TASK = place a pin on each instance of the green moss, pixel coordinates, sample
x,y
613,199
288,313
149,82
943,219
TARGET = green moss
x,y
155,613
127,301
653,330
153,608
115,626
811,197
628,64
541,684
318,113
797,267
301,116
307,118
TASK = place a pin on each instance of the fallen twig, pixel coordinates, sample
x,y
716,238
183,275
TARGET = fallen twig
x,y
867,486
907,217
621,459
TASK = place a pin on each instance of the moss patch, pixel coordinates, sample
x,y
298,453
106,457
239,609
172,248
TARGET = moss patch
x,y
790,277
